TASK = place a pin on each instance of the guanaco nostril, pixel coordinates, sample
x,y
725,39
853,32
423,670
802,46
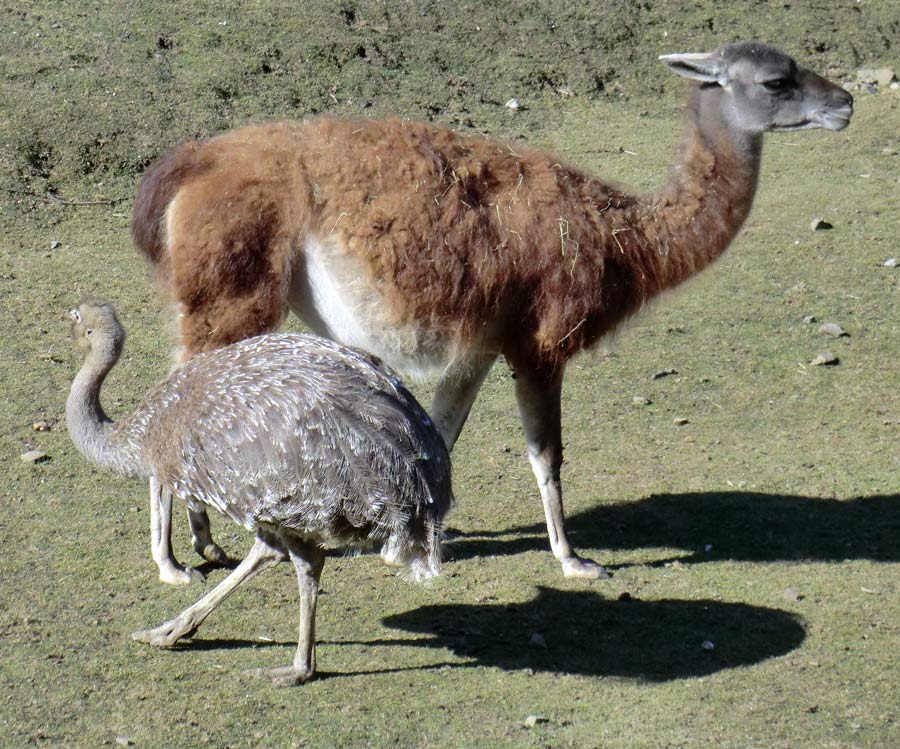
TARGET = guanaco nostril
x,y
842,99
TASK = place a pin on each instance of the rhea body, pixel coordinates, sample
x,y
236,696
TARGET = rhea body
x,y
303,441
440,253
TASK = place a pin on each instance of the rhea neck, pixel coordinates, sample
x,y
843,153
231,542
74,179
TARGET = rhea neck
x,y
693,219
91,429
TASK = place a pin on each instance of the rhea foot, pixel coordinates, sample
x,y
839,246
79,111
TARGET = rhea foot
x,y
575,566
282,676
165,635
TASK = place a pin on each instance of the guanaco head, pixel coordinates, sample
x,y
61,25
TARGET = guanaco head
x,y
96,330
766,90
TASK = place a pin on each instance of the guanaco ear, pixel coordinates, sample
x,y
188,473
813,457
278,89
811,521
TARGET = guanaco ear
x,y
708,67
74,315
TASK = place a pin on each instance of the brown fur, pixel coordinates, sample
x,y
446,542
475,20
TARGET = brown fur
x,y
436,250
158,186
457,233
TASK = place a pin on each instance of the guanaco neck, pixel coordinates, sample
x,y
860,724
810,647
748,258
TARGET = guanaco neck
x,y
692,220
95,435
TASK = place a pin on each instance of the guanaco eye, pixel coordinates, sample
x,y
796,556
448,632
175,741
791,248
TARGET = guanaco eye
x,y
89,331
776,84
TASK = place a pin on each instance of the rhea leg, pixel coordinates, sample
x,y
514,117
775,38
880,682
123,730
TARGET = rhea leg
x,y
263,554
308,560
170,571
539,401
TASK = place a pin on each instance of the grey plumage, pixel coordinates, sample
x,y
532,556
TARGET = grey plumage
x,y
298,432
306,442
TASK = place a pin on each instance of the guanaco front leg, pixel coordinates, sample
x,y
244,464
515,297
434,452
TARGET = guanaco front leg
x,y
201,537
539,401
454,395
453,398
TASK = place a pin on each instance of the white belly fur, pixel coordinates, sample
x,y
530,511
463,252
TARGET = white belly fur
x,y
331,292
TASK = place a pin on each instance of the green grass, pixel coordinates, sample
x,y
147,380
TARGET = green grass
x,y
785,476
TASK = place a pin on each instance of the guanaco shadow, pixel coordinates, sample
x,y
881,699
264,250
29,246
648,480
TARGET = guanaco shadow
x,y
582,633
719,525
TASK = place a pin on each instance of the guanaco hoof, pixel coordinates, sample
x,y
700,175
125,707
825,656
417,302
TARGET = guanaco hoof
x,y
585,568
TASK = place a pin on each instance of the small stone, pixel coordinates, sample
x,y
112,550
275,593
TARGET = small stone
x,y
792,594
54,244
365,103
820,224
708,645
34,456
825,359
834,330
881,77
868,88
708,548
513,105
680,421
641,400
891,262
664,373
625,596
537,641
532,720
809,320
124,741
42,426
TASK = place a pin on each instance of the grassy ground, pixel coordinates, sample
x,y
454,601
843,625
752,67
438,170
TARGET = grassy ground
x,y
768,525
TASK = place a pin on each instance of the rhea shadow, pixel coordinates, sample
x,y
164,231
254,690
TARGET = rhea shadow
x,y
583,633
580,633
747,526
228,643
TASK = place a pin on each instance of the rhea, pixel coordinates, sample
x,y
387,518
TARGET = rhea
x,y
440,252
305,442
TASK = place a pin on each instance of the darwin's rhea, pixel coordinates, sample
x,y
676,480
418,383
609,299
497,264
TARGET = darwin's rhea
x,y
439,252
305,442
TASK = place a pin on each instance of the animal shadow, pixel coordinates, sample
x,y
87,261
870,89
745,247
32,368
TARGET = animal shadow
x,y
578,632
748,526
